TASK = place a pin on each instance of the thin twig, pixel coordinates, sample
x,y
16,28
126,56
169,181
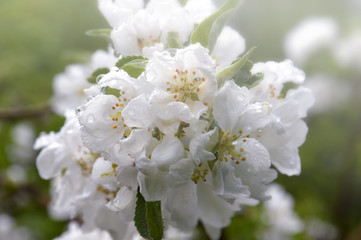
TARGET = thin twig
x,y
25,112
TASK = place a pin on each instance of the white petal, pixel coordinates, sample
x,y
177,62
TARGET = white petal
x,y
257,183
44,139
185,113
127,176
126,150
137,113
182,204
100,168
125,40
146,166
51,160
119,11
200,146
180,173
124,202
286,160
97,126
252,119
256,155
152,188
200,9
212,209
229,103
305,99
226,183
229,45
213,232
168,152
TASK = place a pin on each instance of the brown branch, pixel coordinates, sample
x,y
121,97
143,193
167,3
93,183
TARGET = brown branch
x,y
25,112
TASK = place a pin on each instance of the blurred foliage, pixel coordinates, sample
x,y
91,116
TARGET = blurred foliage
x,y
40,37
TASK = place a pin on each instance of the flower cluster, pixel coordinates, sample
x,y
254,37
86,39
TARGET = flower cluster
x,y
174,124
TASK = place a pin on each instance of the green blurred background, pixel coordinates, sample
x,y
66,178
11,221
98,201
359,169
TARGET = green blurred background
x,y
39,38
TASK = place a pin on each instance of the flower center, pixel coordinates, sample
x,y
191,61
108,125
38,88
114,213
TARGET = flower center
x,y
147,42
200,172
85,159
226,148
185,85
117,116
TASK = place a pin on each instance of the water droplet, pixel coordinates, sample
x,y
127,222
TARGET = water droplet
x,y
80,109
248,170
99,77
257,144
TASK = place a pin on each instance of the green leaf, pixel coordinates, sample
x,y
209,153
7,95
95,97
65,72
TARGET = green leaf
x,y
286,87
148,218
173,40
228,72
110,91
207,32
154,219
135,68
96,73
245,78
127,59
103,32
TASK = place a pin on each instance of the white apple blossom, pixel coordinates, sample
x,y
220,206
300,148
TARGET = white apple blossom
x,y
337,94
69,163
287,131
160,128
68,86
229,45
21,151
118,11
101,118
347,50
76,233
141,30
147,29
11,231
279,215
309,36
185,85
275,76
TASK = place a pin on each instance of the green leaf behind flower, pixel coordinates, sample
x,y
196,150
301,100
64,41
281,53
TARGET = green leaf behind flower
x,y
245,78
133,65
125,60
93,78
207,32
173,40
230,71
110,91
135,68
148,218
102,32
